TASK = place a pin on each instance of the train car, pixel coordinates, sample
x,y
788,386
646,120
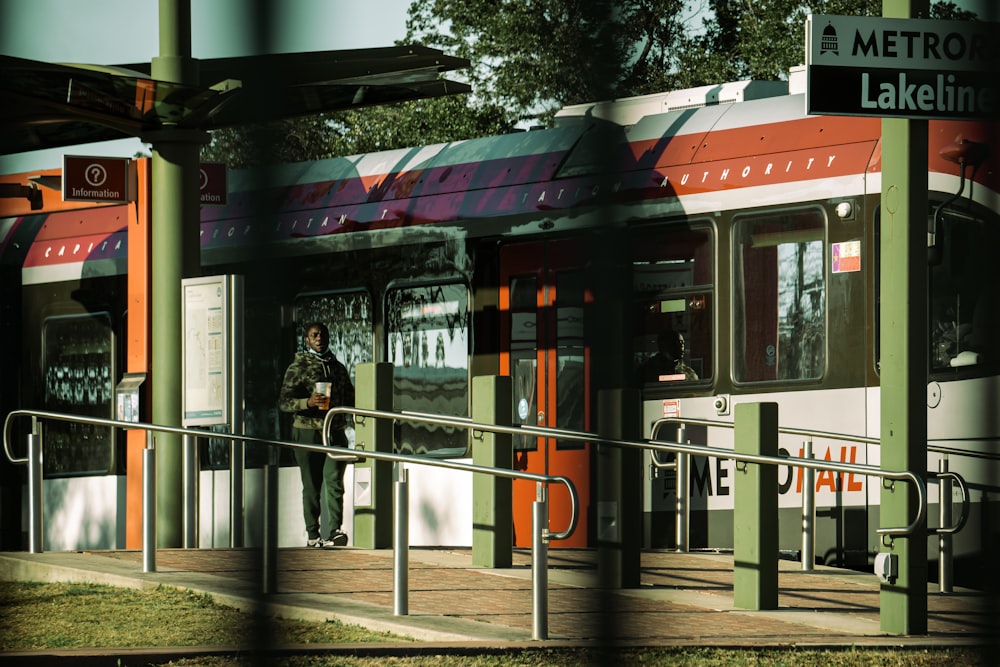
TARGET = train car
x,y
722,224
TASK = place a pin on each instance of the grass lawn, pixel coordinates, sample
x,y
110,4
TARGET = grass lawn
x,y
38,616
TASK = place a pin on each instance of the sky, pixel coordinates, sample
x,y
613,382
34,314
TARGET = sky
x,y
115,32
111,32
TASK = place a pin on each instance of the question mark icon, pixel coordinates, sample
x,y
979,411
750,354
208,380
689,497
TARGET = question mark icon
x,y
96,174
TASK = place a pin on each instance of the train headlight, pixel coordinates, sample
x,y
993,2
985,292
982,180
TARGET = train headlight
x,y
845,210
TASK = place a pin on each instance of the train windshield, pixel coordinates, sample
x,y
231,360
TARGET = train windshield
x,y
964,279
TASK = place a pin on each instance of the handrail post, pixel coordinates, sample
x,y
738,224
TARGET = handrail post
x,y
755,516
269,565
190,458
237,470
540,564
401,544
945,568
492,510
682,495
808,511
149,505
35,535
373,477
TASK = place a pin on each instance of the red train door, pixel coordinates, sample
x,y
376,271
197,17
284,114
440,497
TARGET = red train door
x,y
544,304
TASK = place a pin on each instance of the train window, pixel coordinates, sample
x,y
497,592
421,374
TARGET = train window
x,y
428,343
672,296
964,302
348,315
349,318
78,365
779,297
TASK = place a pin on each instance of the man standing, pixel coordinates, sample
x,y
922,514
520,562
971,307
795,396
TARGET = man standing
x,y
300,395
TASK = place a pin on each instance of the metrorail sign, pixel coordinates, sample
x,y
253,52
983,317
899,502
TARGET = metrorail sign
x,y
905,68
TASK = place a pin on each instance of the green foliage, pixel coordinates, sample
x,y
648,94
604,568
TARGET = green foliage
x,y
534,57
531,57
356,131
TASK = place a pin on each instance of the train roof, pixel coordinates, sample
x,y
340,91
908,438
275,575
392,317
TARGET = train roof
x,y
746,145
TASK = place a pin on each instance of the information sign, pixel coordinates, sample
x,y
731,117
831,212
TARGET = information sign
x,y
205,352
100,179
212,183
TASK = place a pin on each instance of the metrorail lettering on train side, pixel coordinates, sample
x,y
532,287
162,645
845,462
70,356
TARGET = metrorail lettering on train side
x,y
708,479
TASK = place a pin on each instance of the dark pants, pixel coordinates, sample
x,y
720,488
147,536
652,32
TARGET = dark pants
x,y
320,472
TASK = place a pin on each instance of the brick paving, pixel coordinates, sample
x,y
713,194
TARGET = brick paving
x,y
682,598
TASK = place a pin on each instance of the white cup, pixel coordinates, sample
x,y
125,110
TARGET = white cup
x,y
324,388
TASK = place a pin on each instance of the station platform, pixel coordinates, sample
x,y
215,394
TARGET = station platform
x,y
685,599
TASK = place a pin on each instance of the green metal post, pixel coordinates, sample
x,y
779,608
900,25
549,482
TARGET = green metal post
x,y
903,602
619,490
373,479
175,255
755,517
492,497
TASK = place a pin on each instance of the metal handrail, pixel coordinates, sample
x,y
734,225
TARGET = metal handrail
x,y
964,517
814,464
462,422
540,511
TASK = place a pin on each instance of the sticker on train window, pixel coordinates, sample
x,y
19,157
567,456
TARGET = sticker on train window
x,y
846,256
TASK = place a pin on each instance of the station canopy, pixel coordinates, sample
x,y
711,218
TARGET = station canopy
x,y
49,105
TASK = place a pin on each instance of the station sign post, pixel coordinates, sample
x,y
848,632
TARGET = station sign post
x,y
906,71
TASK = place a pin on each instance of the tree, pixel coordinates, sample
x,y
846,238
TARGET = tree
x,y
356,131
532,57
535,56
762,40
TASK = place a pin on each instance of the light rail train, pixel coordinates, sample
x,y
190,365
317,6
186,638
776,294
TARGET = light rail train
x,y
558,257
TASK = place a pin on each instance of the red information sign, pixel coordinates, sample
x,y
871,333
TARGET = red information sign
x,y
212,183
101,179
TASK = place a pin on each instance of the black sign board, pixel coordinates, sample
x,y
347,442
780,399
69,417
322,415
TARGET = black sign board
x,y
906,68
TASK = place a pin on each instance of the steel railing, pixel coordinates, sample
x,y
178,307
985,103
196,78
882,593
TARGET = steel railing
x,y
809,466
540,532
540,514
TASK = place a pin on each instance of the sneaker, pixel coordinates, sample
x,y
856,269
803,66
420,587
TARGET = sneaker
x,y
338,538
318,543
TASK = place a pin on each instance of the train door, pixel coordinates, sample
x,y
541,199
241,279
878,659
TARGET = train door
x,y
544,302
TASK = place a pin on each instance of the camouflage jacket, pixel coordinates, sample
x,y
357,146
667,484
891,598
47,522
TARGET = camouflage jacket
x,y
299,384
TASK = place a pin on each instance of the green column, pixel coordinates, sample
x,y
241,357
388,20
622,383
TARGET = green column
x,y
175,255
755,516
619,490
492,498
903,345
373,479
